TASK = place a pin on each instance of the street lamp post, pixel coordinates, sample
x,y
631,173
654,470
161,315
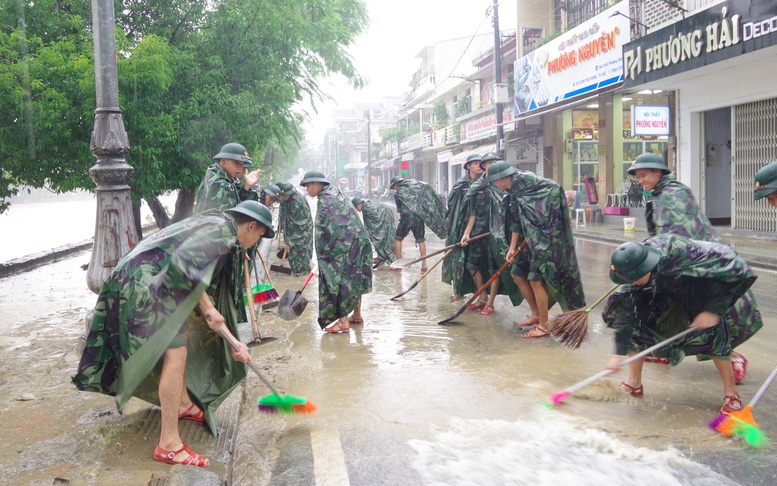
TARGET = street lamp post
x,y
369,156
114,233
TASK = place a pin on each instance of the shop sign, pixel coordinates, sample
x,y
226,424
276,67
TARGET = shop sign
x,y
726,30
482,126
521,152
585,59
404,167
649,120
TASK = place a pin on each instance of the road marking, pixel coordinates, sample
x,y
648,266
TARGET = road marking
x,y
328,458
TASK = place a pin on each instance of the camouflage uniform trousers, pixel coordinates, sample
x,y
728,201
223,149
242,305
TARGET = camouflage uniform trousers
x,y
410,222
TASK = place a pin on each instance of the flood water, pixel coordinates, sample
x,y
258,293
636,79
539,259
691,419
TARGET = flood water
x,y
402,400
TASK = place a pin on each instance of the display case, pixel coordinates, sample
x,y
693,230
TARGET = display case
x,y
636,147
585,163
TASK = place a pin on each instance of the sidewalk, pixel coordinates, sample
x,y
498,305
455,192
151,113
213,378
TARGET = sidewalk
x,y
759,249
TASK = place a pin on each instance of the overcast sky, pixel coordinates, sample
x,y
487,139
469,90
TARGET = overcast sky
x,y
397,31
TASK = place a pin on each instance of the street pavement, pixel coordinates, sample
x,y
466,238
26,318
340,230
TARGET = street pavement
x,y
759,250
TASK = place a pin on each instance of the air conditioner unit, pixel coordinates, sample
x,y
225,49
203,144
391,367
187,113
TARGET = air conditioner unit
x,y
501,94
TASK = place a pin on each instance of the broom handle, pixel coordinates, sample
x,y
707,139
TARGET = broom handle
x,y
269,278
251,364
250,297
437,252
424,275
629,360
603,297
763,388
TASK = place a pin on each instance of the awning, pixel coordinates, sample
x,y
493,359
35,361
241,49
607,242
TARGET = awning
x,y
461,157
355,166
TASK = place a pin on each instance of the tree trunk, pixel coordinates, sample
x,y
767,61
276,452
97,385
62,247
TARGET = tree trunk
x,y
136,219
184,205
158,211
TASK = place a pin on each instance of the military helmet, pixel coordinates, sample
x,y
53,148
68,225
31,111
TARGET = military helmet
x,y
631,261
356,201
274,191
258,212
489,157
648,161
234,151
500,169
395,180
313,176
765,180
286,188
472,158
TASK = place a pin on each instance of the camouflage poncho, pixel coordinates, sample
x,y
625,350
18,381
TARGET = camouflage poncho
x,y
691,277
218,191
380,226
297,225
538,211
454,271
344,256
143,305
419,198
672,209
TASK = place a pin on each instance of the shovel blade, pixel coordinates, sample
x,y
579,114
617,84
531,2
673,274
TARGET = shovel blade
x,y
292,305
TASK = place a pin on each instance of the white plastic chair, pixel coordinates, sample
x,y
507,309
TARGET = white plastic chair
x,y
578,211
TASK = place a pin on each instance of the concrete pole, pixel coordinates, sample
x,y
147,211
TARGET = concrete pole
x,y
114,233
498,79
369,157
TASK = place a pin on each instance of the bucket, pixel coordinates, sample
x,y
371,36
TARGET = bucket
x,y
629,224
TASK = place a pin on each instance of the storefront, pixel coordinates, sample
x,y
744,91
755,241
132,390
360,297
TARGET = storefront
x,y
720,61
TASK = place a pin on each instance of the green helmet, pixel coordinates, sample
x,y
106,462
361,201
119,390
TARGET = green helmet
x,y
765,181
395,180
286,188
313,176
472,158
648,161
488,158
356,201
631,261
258,212
274,191
500,169
234,151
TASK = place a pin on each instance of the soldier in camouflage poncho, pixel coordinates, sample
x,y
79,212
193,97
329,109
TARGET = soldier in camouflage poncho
x,y
673,282
344,256
297,226
454,271
547,267
145,335
417,205
672,209
380,226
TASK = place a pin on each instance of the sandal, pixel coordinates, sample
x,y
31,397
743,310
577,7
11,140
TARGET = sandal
x,y
739,366
634,391
653,359
487,310
479,305
336,329
528,323
193,459
731,403
537,332
196,417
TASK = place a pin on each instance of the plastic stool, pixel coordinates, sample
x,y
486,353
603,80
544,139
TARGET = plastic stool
x,y
579,215
590,215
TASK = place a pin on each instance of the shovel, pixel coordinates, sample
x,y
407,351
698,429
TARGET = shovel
x,y
292,304
280,268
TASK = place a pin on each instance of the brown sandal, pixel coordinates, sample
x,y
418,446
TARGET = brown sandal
x,y
537,332
731,403
634,391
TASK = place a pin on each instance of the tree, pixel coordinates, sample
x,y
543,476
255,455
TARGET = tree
x,y
193,75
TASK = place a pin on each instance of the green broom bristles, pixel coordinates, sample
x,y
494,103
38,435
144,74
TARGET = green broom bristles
x,y
285,404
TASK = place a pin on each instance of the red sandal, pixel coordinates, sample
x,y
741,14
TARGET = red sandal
x,y
739,365
196,417
193,459
537,332
479,305
634,391
487,310
731,403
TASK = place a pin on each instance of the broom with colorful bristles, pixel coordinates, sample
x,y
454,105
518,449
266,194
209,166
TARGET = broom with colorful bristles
x,y
264,292
275,403
741,422
571,328
559,397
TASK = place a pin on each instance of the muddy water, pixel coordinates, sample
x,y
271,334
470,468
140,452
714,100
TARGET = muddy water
x,y
402,400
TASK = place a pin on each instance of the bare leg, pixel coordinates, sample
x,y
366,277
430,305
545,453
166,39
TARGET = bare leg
x,y
172,385
493,290
356,317
727,375
526,290
541,301
477,277
398,249
635,373
422,249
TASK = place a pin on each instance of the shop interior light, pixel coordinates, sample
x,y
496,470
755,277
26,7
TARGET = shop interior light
x,y
593,105
626,98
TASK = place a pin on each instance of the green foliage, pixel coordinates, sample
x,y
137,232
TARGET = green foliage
x,y
441,115
193,75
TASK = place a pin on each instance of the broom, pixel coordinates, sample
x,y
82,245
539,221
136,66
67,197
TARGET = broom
x,y
741,422
570,328
264,292
275,403
559,397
